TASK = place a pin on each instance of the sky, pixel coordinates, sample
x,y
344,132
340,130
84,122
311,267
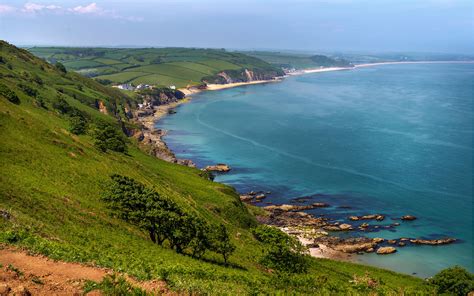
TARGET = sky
x,y
444,26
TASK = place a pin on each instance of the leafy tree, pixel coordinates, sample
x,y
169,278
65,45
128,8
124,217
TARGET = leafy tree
x,y
10,95
283,252
454,280
107,137
131,201
180,230
221,243
60,67
201,241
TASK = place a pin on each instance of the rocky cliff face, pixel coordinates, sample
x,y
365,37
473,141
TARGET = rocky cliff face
x,y
243,75
160,96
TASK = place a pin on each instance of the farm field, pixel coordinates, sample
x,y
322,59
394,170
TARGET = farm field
x,y
158,66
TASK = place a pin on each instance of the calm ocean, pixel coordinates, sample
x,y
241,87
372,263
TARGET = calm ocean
x,y
392,139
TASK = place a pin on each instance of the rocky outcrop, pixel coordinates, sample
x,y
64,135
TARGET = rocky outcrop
x,y
386,250
220,167
408,218
287,207
347,245
377,217
295,219
433,242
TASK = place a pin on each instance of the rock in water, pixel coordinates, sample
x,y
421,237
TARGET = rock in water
x,y
345,227
220,167
386,250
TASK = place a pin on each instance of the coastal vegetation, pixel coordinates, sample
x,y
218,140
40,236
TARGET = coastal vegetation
x,y
75,188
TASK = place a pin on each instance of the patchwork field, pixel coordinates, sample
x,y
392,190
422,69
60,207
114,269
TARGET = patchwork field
x,y
158,66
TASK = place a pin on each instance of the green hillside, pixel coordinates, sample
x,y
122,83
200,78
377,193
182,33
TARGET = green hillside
x,y
52,181
158,66
298,60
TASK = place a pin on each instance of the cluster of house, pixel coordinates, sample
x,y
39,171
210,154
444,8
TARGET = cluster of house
x,y
141,86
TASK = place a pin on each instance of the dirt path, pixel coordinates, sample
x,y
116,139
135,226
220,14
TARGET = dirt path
x,y
22,274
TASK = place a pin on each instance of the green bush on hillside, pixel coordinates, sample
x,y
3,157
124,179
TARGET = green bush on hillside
x,y
10,95
60,67
108,137
454,280
28,90
283,252
77,125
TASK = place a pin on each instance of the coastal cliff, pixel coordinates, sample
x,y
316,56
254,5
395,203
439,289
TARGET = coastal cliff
x,y
243,75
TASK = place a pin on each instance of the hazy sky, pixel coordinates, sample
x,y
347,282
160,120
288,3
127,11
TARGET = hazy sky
x,y
345,25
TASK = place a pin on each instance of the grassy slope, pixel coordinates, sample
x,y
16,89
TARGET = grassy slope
x,y
160,66
51,181
287,60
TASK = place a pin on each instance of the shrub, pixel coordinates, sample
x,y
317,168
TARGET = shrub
x,y
60,67
28,90
283,252
10,95
107,137
455,280
77,125
62,106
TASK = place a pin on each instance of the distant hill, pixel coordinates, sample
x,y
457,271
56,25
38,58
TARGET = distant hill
x,y
298,60
62,136
159,66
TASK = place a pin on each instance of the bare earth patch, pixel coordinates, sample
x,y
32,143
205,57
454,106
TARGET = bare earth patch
x,y
23,274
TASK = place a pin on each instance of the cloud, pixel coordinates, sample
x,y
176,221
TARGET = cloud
x,y
34,7
88,9
6,8
92,9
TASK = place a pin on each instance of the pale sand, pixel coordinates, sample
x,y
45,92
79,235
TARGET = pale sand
x,y
321,251
318,70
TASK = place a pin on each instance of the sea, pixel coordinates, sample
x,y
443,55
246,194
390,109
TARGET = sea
x,y
390,139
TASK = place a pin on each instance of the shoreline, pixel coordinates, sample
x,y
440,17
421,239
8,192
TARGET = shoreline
x,y
319,250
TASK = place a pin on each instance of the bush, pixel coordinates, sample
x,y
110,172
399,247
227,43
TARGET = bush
x,y
60,67
454,280
283,252
10,95
28,90
77,125
107,137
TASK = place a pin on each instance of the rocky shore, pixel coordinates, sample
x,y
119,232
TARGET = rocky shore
x,y
320,234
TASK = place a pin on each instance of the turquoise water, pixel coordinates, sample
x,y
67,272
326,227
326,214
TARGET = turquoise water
x,y
393,139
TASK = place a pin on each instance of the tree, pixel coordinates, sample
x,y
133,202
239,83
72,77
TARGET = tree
x,y
107,137
221,243
282,252
60,67
137,204
201,241
180,230
455,280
